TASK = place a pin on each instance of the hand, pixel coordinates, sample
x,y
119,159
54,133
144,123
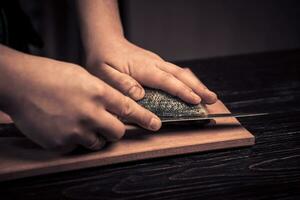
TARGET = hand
x,y
126,67
60,106
4,118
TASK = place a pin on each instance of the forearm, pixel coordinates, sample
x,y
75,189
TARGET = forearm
x,y
15,69
9,63
100,24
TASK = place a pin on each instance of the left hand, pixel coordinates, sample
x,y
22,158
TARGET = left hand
x,y
126,67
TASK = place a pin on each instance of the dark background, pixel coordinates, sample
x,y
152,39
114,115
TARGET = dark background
x,y
178,29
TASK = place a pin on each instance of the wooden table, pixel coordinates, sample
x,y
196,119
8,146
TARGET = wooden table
x,y
265,82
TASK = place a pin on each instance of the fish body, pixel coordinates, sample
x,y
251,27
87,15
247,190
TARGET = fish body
x,y
166,106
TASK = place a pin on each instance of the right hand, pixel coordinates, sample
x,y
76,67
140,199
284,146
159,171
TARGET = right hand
x,y
60,106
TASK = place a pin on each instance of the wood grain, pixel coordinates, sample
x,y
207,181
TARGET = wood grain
x,y
20,158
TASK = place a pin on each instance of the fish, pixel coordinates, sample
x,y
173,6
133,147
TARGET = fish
x,y
169,107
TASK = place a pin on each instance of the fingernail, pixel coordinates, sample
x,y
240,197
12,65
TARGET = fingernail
x,y
155,124
196,98
213,96
210,92
136,93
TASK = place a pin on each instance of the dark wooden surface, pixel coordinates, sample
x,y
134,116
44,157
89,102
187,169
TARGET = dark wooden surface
x,y
266,82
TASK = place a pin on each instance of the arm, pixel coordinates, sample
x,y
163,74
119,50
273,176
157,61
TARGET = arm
x,y
126,66
60,105
100,25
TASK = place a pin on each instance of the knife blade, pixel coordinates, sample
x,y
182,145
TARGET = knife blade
x,y
211,116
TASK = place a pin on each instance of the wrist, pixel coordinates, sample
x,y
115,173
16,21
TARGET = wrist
x,y
105,49
16,69
7,79
102,46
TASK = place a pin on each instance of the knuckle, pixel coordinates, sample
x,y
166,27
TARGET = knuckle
x,y
127,83
179,71
126,108
167,77
100,90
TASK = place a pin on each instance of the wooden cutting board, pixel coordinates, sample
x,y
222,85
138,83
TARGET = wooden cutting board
x,y
21,158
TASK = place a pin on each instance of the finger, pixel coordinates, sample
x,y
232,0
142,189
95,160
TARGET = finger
x,y
92,141
122,82
157,78
109,127
189,78
128,109
209,96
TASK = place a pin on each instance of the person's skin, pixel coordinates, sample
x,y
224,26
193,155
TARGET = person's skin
x,y
60,105
126,66
4,118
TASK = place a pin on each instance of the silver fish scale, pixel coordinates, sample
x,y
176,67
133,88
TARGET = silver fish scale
x,y
166,106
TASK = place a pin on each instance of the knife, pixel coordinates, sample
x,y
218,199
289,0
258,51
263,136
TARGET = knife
x,y
166,120
210,116
186,120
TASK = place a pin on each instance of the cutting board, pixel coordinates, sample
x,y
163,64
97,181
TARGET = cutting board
x,y
19,157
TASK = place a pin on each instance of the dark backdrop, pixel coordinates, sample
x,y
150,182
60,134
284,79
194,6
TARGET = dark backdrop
x,y
178,29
